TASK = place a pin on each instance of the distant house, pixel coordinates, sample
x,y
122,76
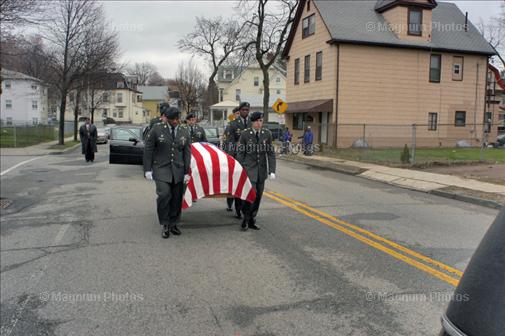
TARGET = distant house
x,y
152,97
495,103
239,84
387,62
23,99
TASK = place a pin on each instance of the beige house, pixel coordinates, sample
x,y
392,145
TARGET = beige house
x,y
236,85
386,62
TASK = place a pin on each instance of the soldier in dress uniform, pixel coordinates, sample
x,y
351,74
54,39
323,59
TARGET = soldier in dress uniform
x,y
257,155
235,115
196,132
157,120
167,158
235,129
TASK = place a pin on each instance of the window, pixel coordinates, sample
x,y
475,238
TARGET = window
x,y
308,5
139,98
457,68
120,114
8,84
8,104
435,68
114,114
256,81
278,91
221,94
125,134
105,111
71,96
298,120
120,85
415,22
319,65
460,119
119,98
35,104
237,94
306,67
228,74
278,80
133,98
9,120
35,121
297,71
309,26
432,121
34,87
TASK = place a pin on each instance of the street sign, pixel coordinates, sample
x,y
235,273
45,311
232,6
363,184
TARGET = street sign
x,y
280,106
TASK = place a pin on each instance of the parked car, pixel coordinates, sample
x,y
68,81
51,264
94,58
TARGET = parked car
x,y
275,128
500,140
478,304
127,144
102,136
212,134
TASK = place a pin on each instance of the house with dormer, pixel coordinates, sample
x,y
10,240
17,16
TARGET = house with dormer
x,y
386,62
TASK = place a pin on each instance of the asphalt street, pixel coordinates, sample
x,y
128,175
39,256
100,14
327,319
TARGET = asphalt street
x,y
81,254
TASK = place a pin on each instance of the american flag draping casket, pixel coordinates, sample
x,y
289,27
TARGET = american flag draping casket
x,y
213,172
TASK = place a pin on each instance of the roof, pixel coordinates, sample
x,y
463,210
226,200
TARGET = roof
x,y
9,74
383,5
153,92
226,103
358,22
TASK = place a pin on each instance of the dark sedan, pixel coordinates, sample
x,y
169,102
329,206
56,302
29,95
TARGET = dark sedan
x,y
127,144
212,134
478,305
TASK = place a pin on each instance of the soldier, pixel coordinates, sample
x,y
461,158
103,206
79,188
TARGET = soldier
x,y
157,120
257,155
235,115
235,128
167,157
196,132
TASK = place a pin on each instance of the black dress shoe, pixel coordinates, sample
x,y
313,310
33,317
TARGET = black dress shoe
x,y
238,215
165,232
175,230
253,227
244,225
229,209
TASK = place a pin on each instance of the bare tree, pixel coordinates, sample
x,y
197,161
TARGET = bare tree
x,y
156,79
215,39
190,84
77,37
494,32
16,13
268,24
143,71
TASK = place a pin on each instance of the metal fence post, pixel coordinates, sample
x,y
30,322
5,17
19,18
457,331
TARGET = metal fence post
x,y
413,151
364,144
14,134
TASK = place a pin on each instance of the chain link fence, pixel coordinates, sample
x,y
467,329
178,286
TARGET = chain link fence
x,y
23,134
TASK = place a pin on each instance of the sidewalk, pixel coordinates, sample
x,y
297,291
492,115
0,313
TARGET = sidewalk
x,y
463,189
38,150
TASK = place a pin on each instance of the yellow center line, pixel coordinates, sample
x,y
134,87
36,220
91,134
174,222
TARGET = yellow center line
x,y
434,272
375,236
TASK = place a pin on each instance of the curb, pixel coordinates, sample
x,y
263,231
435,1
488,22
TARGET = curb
x,y
65,151
348,170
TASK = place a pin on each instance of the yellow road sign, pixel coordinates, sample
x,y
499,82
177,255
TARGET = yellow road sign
x,y
280,106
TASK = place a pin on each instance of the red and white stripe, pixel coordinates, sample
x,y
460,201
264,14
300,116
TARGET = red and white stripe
x,y
213,172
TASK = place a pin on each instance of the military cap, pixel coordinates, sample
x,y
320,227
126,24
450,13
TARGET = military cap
x,y
190,116
235,110
171,113
256,116
244,105
163,107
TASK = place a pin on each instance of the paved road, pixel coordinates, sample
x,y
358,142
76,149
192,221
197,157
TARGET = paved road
x,y
81,254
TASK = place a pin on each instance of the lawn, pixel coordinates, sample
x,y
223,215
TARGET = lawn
x,y
27,135
424,156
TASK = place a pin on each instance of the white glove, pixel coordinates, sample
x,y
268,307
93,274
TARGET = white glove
x,y
186,179
272,176
149,175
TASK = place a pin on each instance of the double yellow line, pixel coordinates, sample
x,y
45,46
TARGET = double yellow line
x,y
437,269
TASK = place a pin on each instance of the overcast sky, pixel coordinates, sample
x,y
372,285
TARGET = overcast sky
x,y
149,30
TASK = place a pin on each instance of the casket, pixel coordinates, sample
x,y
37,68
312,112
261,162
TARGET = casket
x,y
216,174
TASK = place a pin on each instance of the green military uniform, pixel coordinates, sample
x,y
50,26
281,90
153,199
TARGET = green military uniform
x,y
256,154
154,121
196,133
168,156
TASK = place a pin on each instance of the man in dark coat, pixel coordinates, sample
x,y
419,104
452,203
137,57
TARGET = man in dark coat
x,y
256,154
88,135
196,132
167,158
235,129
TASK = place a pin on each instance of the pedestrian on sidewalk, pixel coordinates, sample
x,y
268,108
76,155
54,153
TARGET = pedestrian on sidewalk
x,y
308,139
286,140
88,135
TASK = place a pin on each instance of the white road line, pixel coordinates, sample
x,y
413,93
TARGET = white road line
x,y
19,164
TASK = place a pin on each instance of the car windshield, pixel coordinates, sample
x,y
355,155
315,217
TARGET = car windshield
x,y
211,132
126,133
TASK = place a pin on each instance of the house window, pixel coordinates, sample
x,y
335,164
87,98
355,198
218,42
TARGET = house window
x,y
105,97
432,121
308,5
319,65
105,111
415,21
221,94
139,98
8,104
228,74
309,26
306,67
297,71
119,98
71,97
35,121
121,114
35,104
460,119
34,87
114,114
8,84
278,91
237,94
256,81
457,68
278,80
435,68
120,85
9,120
298,120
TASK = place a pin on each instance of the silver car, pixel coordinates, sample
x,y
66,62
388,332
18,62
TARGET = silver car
x,y
102,136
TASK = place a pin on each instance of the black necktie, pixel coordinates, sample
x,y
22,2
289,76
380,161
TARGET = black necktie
x,y
257,136
191,132
173,133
